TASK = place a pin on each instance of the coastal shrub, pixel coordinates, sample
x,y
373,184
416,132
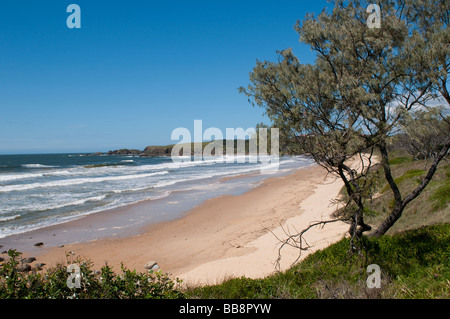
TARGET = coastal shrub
x,y
103,284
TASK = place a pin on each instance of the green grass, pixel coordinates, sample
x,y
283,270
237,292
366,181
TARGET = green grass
x,y
430,207
400,160
407,176
441,194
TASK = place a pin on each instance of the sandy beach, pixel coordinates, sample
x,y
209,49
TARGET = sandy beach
x,y
226,236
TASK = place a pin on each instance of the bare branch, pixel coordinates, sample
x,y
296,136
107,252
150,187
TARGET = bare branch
x,y
298,241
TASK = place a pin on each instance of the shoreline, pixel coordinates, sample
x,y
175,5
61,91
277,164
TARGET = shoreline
x,y
225,236
130,219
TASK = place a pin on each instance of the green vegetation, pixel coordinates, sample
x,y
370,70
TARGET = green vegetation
x,y
52,284
399,160
431,207
407,176
414,264
441,197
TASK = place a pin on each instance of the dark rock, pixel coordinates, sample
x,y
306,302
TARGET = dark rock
x,y
38,266
24,268
28,260
2,259
39,244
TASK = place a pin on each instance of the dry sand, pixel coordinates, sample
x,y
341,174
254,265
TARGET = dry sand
x,y
227,236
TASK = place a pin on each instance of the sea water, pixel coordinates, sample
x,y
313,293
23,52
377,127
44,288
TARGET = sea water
x,y
41,190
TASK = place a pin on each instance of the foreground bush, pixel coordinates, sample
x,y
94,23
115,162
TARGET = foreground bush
x,y
53,283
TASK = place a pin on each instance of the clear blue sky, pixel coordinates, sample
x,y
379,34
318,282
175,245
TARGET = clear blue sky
x,y
135,70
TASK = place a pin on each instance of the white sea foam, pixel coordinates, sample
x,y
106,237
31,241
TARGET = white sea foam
x,y
37,166
6,218
73,203
76,181
206,175
12,177
42,204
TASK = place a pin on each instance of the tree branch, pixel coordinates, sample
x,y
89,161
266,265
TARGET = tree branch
x,y
297,240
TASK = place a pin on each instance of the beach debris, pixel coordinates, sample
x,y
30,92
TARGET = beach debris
x,y
39,244
24,268
28,260
152,265
2,259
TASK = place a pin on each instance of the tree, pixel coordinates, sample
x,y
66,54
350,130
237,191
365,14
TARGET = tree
x,y
363,84
425,68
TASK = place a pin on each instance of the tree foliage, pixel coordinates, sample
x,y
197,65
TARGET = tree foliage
x,y
365,84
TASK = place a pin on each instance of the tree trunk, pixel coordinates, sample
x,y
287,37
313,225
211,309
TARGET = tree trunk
x,y
357,226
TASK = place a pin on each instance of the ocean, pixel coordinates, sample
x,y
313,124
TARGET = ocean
x,y
42,190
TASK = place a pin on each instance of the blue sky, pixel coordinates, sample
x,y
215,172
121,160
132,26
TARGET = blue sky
x,y
135,71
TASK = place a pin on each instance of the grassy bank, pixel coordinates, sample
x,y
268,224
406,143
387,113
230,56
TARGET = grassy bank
x,y
432,205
